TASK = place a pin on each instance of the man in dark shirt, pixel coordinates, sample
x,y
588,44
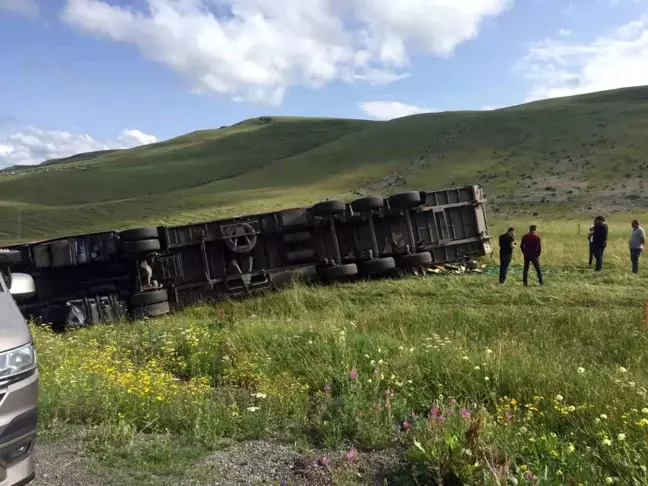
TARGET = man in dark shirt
x,y
506,245
599,241
531,246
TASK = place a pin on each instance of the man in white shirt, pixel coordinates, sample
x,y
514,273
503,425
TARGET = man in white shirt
x,y
637,241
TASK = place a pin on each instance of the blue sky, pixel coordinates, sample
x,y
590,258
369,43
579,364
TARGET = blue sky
x,y
89,74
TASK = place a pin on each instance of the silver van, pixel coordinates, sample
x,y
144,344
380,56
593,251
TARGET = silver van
x,y
18,379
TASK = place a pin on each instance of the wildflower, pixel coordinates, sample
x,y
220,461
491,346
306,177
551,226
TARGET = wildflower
x,y
411,350
559,398
609,480
489,351
621,437
253,409
486,378
466,358
603,416
400,348
323,461
477,368
434,412
607,442
644,411
406,425
380,361
571,408
465,414
507,416
353,375
529,476
571,447
327,388
350,456
622,370
260,395
581,370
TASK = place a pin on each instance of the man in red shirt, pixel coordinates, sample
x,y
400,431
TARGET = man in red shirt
x,y
531,246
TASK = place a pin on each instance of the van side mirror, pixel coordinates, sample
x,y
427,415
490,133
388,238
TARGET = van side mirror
x,y
22,286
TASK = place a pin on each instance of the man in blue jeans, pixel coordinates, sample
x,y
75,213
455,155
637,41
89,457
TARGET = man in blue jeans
x,y
637,241
506,244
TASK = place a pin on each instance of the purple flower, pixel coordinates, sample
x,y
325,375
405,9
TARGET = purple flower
x,y
442,418
323,461
327,388
507,416
353,374
529,476
406,425
451,411
434,412
350,456
465,414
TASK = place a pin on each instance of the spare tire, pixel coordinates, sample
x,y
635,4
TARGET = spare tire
x,y
366,204
138,234
339,272
379,265
141,246
153,310
327,208
415,260
405,200
149,298
10,257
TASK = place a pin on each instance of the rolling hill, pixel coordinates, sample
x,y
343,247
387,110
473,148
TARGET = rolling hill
x,y
566,155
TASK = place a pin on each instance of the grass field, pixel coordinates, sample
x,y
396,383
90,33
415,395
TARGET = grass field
x,y
544,385
556,157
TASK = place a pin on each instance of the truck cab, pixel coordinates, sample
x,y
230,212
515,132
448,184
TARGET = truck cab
x,y
18,379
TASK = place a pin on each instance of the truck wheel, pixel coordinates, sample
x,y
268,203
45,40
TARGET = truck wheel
x,y
327,208
379,265
405,200
366,204
141,246
10,257
415,260
140,234
149,298
153,310
340,272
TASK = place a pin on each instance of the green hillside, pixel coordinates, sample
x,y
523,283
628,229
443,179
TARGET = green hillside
x,y
584,153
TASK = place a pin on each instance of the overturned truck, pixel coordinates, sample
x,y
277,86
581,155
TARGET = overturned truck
x,y
147,272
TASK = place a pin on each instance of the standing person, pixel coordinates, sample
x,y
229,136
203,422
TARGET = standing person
x,y
599,241
531,246
637,241
506,245
590,238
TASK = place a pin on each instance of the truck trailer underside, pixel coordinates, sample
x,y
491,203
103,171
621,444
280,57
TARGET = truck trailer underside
x,y
148,272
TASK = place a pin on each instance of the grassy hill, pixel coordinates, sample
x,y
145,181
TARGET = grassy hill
x,y
566,155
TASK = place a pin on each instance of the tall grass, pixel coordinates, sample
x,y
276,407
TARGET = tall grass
x,y
462,374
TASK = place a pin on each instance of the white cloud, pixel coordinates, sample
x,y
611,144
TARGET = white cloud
x,y
253,50
615,60
491,107
387,110
32,145
23,7
564,32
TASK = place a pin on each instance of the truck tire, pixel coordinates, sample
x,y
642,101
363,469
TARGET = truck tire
x,y
414,260
140,234
405,200
327,208
366,204
141,246
340,272
153,310
149,298
379,265
10,257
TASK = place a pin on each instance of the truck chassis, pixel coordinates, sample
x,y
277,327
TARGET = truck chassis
x,y
147,272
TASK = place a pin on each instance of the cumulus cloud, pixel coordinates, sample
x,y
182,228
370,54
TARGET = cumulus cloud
x,y
32,145
388,110
253,50
22,7
615,60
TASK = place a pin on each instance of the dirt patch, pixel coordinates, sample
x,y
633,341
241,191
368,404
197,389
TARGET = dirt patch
x,y
62,464
266,462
